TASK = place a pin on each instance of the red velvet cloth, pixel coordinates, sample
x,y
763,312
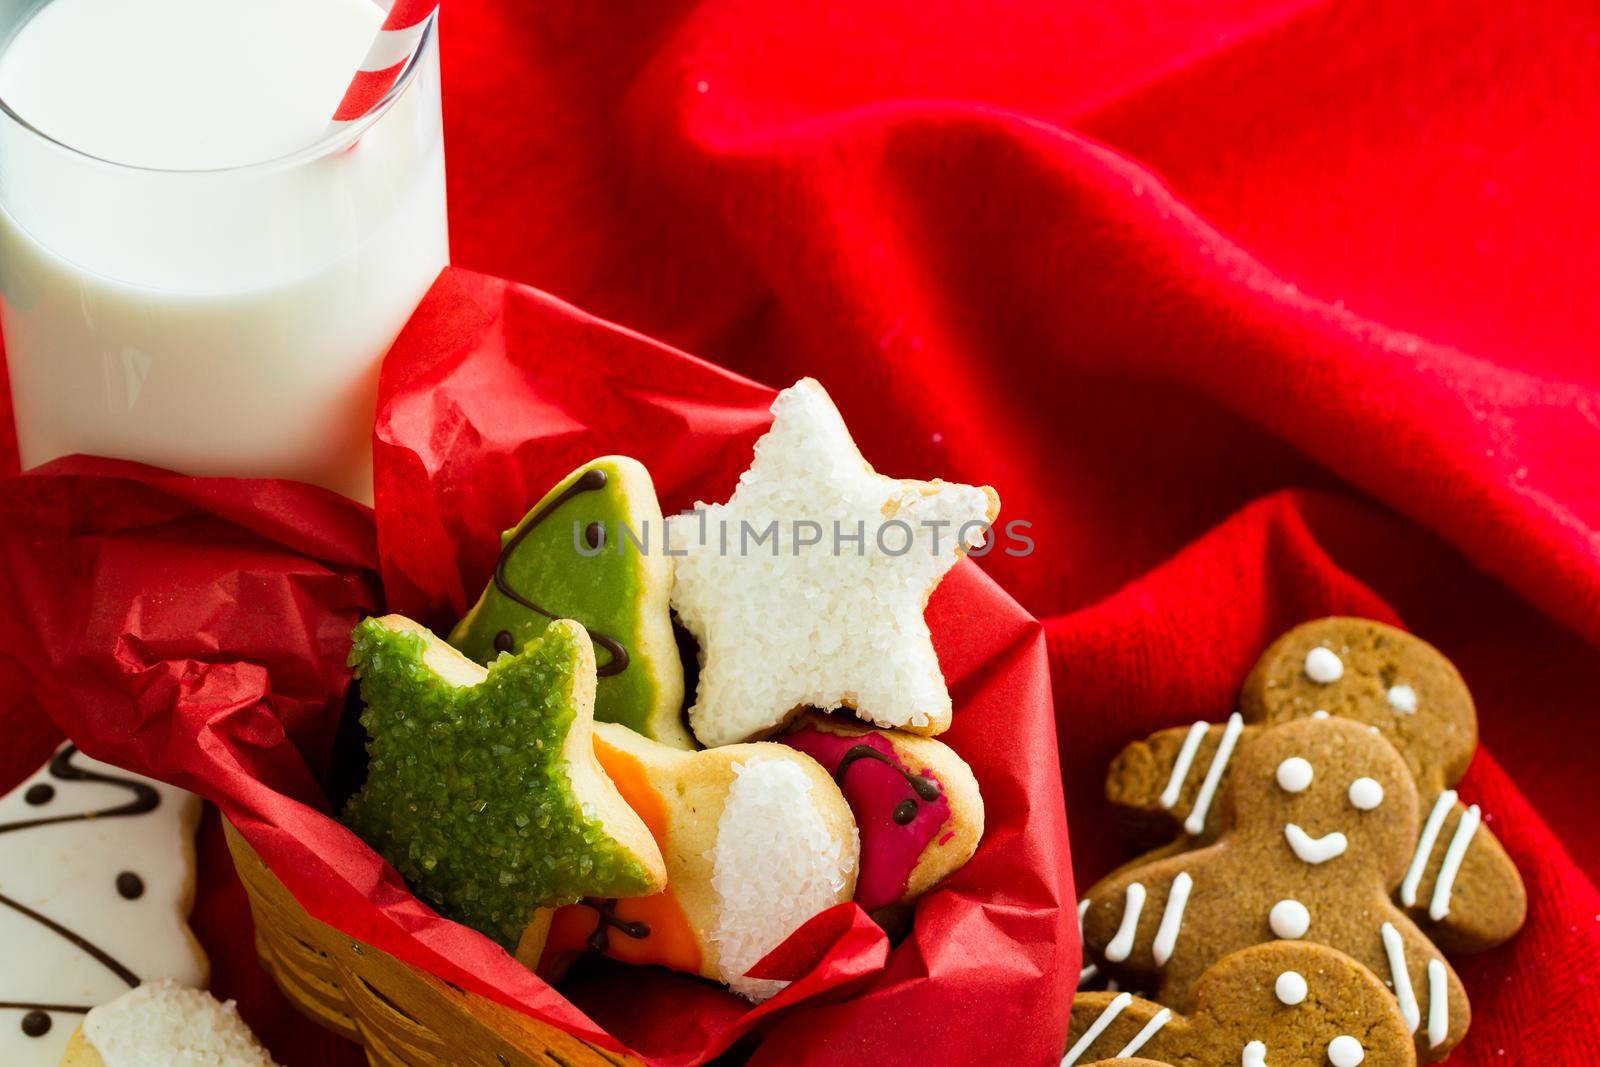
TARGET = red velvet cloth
x,y
1257,309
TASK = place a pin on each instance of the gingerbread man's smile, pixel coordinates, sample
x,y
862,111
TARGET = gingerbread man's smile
x,y
1315,849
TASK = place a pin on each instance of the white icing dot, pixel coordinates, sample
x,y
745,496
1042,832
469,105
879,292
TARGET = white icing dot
x,y
1366,793
1403,698
1345,1051
1319,714
1289,919
1294,775
1291,987
1323,666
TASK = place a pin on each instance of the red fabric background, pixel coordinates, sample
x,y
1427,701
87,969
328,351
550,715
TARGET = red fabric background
x,y
1258,309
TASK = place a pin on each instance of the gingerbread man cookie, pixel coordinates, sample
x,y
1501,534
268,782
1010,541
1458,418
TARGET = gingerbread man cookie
x,y
1281,1004
1461,886
1321,825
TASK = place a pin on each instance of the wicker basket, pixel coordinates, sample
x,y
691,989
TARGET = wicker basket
x,y
402,1016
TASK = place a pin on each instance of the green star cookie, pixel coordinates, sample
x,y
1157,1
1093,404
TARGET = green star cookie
x,y
483,788
570,558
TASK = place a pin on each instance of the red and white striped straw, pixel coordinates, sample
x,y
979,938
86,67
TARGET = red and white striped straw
x,y
390,52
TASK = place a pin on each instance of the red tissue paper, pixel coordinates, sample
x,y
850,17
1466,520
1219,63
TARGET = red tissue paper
x,y
196,630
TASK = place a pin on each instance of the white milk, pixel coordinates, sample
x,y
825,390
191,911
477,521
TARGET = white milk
x,y
226,311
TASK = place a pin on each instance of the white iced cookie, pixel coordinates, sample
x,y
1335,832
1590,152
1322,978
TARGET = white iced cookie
x,y
789,615
96,879
811,860
757,839
163,1024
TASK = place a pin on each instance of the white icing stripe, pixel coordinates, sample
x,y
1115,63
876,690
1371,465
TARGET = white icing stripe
x,y
1107,1016
1122,944
1396,949
1196,822
1180,769
1438,1003
1151,1029
1172,918
1430,834
1089,970
1465,829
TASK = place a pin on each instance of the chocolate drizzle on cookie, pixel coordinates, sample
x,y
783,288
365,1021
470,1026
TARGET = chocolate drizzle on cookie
x,y
74,938
606,910
590,481
925,788
143,799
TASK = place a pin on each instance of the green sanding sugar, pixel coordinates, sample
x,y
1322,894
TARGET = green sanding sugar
x,y
467,793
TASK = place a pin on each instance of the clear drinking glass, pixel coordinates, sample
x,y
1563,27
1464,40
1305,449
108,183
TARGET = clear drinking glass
x,y
218,322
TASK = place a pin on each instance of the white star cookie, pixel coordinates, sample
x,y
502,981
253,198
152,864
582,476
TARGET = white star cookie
x,y
807,587
163,1024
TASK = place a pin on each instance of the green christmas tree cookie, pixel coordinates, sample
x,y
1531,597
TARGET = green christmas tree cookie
x,y
572,557
483,788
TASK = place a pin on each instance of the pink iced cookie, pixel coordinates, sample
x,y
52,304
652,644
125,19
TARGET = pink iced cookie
x,y
915,801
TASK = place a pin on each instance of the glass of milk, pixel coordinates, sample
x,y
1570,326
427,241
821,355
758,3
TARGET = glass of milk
x,y
196,271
